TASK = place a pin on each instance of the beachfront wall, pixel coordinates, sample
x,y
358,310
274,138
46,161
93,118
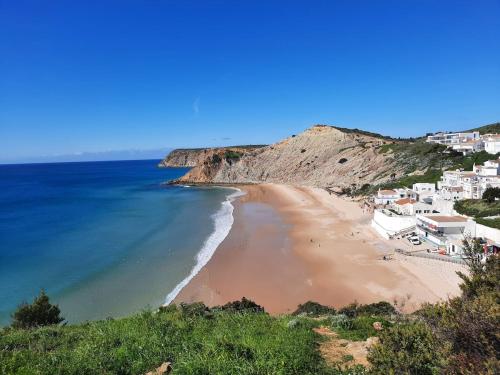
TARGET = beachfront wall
x,y
387,225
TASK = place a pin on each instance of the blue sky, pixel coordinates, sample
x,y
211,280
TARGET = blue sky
x,y
103,75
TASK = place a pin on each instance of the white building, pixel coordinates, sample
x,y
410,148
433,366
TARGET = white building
x,y
468,146
492,143
424,191
445,231
410,207
389,196
450,139
489,168
386,196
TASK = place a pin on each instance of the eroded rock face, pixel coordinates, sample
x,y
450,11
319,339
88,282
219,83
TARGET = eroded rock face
x,y
322,156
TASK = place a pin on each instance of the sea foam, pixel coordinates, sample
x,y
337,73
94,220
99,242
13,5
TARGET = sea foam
x,y
223,221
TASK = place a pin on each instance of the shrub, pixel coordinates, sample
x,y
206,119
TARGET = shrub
x,y
197,309
314,309
243,305
216,159
232,155
340,321
382,308
491,194
360,328
40,313
407,349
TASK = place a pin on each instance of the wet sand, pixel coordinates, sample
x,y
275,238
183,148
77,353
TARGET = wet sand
x,y
289,245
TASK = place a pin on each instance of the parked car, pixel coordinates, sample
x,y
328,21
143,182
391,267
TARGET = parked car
x,y
415,240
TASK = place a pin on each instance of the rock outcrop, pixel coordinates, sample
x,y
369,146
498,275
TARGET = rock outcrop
x,y
192,157
322,156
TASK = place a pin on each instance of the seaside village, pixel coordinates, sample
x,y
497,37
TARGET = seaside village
x,y
423,219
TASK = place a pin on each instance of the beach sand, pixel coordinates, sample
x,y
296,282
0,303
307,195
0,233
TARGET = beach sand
x,y
289,245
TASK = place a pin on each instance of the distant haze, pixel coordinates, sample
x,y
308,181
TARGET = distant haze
x,y
93,156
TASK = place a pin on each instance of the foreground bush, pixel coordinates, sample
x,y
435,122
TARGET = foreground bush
x,y
464,330
407,349
38,314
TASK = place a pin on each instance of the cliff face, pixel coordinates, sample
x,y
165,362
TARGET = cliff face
x,y
321,156
184,158
203,156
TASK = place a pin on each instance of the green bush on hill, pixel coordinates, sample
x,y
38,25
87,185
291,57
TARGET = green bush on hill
x,y
491,194
492,223
477,207
38,314
313,309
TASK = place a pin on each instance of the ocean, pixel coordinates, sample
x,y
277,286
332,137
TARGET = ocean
x,y
104,239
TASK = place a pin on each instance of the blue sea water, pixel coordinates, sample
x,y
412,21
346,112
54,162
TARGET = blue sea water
x,y
103,238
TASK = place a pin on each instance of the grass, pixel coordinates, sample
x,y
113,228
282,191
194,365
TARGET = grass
x,y
492,223
222,343
359,328
478,208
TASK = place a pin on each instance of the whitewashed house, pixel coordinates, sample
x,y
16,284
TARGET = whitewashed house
x,y
468,146
386,196
489,168
491,143
411,207
424,191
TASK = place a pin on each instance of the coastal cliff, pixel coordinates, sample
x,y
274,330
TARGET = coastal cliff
x,y
192,157
322,156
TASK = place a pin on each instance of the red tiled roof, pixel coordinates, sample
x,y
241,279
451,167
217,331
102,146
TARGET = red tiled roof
x,y
405,201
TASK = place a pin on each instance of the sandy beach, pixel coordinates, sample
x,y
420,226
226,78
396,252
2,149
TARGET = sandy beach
x,y
289,245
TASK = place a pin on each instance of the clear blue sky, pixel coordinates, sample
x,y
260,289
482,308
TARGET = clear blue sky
x,y
111,75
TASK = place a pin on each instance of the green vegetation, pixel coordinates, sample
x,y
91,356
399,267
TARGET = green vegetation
x,y
359,328
195,339
458,336
492,223
488,129
231,155
313,309
381,308
407,349
467,162
430,158
38,314
477,207
491,194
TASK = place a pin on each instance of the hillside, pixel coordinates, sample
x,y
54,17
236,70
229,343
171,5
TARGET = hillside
x,y
489,129
324,156
340,159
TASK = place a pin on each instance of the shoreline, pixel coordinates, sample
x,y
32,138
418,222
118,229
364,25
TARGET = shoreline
x,y
288,245
212,242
